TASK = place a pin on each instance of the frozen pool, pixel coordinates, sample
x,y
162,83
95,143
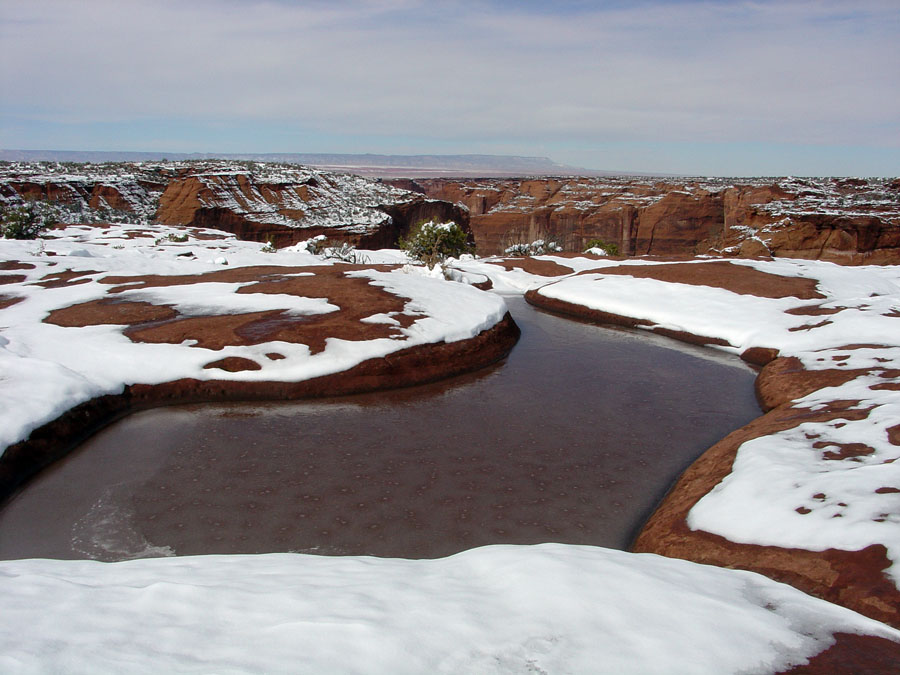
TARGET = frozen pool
x,y
573,438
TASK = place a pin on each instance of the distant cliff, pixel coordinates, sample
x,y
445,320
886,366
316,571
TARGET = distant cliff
x,y
255,201
290,204
86,192
850,221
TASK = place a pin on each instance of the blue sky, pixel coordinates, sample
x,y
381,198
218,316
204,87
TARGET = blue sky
x,y
804,87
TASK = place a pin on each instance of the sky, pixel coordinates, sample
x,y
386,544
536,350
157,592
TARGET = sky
x,y
735,88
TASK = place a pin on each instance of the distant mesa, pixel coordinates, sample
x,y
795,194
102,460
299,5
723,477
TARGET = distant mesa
x,y
379,166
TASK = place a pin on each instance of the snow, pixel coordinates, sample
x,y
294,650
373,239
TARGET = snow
x,y
442,306
497,609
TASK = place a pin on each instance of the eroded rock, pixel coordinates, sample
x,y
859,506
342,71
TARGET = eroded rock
x,y
850,222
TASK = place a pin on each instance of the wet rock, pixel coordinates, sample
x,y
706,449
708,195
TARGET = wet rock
x,y
855,579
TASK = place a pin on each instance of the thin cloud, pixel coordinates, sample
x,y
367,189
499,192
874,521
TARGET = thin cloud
x,y
466,72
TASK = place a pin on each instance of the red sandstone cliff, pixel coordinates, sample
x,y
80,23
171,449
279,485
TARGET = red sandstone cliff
x,y
845,220
119,195
287,205
851,221
255,201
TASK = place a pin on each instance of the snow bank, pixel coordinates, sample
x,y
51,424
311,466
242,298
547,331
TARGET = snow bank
x,y
792,488
497,609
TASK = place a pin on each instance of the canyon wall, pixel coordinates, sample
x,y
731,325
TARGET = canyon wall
x,y
850,221
83,196
257,202
288,205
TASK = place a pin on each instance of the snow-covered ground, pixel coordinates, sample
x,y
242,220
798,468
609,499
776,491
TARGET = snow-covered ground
x,y
499,609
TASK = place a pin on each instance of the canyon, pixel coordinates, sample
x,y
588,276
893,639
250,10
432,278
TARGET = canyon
x,y
844,220
849,220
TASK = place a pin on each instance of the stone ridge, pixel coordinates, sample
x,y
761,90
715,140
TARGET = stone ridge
x,y
850,220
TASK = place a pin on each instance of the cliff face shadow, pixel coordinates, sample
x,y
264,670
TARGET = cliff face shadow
x,y
574,438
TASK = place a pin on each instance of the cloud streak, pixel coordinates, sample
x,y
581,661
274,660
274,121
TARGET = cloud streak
x,y
472,73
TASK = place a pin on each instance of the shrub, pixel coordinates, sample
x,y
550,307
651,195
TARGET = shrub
x,y
607,248
317,244
172,238
432,243
22,222
342,251
345,253
537,247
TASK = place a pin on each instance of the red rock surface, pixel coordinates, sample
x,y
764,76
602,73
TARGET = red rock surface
x,y
853,655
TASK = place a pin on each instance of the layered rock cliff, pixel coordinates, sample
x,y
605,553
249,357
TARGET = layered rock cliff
x,y
283,204
290,204
845,220
86,192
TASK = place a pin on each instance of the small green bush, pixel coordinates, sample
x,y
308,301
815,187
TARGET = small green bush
x,y
610,249
171,237
432,243
270,246
22,222
537,247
